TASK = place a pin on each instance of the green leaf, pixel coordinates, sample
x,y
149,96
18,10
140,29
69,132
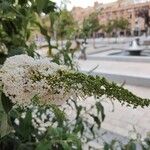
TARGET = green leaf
x,y
75,141
44,145
92,130
6,102
78,109
40,5
100,108
49,7
2,58
131,146
1,106
14,113
79,126
96,119
55,133
22,2
27,146
65,145
45,6
5,128
106,146
25,128
59,115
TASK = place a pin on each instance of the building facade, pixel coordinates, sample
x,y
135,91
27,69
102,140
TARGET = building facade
x,y
137,12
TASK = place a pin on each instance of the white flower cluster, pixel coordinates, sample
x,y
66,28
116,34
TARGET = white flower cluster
x,y
41,119
16,76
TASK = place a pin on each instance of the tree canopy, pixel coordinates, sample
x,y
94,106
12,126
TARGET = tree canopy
x,y
65,25
116,24
91,24
120,23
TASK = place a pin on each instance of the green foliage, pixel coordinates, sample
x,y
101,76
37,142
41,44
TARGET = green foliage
x,y
116,24
26,136
91,24
59,139
65,56
45,6
4,126
6,103
132,144
109,27
65,25
121,23
17,20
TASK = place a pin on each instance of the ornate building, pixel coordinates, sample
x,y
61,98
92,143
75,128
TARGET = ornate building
x,y
137,12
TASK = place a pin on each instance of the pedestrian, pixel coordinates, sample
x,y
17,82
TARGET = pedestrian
x,y
83,51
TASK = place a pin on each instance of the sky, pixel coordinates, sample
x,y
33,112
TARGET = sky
x,y
83,3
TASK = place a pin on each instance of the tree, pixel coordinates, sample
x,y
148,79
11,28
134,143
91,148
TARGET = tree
x,y
117,25
91,26
65,25
108,28
120,24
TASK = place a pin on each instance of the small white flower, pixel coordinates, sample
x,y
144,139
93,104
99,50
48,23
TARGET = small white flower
x,y
38,113
13,131
43,117
103,88
133,135
39,133
34,115
23,115
42,129
55,125
16,121
30,106
35,110
39,121
79,86
48,112
33,135
83,139
48,123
